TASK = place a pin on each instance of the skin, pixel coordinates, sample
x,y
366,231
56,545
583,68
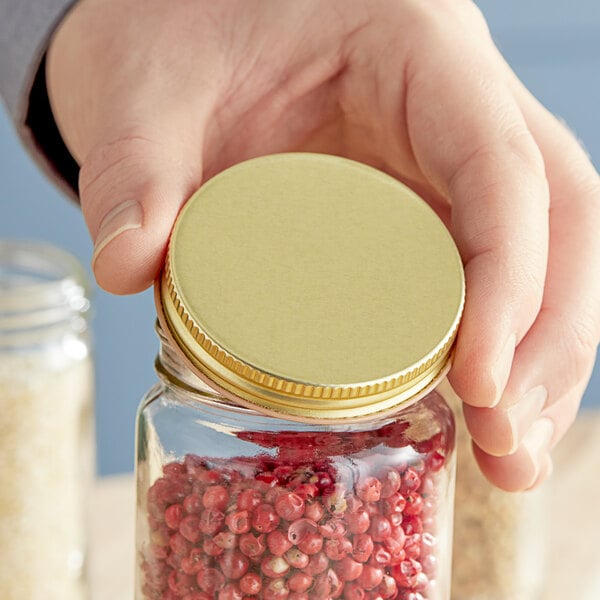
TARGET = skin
x,y
153,98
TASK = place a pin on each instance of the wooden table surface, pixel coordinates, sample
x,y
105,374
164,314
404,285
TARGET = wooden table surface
x,y
574,492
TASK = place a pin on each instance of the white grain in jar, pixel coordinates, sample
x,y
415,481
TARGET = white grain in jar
x,y
46,424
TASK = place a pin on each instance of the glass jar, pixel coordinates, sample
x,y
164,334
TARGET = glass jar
x,y
232,500
296,446
46,428
500,538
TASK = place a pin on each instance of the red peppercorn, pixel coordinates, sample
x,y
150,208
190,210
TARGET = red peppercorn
x,y
300,582
338,548
173,516
233,564
336,501
411,595
296,558
211,521
362,546
238,522
197,596
412,525
380,528
414,504
354,503
314,511
435,461
269,478
406,572
369,489
396,519
278,542
412,546
317,563
353,591
173,469
283,473
390,483
324,584
276,590
322,480
370,577
358,522
179,544
265,519
230,591
289,506
388,587
226,540
210,580
299,529
190,528
410,481
209,476
422,582
193,564
249,499
251,545
215,498
274,567
174,560
273,493
311,543
348,569
306,490
393,504
210,548
180,583
251,584
192,504
395,547
429,564
380,557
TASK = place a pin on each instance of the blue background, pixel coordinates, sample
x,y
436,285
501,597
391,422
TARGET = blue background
x,y
554,48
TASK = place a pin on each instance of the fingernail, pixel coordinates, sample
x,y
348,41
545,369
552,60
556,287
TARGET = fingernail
x,y
536,442
522,415
501,370
545,472
124,216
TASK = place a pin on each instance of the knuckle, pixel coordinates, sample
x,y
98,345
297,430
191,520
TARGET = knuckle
x,y
580,337
510,153
124,155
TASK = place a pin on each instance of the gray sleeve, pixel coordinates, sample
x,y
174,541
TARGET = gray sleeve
x,y
25,29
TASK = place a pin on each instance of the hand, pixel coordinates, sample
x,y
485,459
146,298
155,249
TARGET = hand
x,y
152,98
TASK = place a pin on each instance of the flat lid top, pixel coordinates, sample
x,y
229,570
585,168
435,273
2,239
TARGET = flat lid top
x,y
316,269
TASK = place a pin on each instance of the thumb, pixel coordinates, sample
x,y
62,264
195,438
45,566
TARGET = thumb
x,y
131,189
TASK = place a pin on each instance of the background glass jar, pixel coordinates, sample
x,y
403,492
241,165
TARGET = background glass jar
x,y
46,423
233,503
500,538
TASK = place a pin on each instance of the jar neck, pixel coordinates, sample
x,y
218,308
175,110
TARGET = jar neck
x,y
43,294
173,371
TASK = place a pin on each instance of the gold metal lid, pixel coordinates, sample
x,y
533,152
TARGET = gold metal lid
x,y
312,287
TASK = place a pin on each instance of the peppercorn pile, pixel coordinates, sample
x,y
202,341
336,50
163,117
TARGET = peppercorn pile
x,y
315,521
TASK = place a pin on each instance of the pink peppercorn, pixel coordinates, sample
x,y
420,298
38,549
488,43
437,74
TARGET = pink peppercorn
x,y
265,519
173,516
289,506
278,542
